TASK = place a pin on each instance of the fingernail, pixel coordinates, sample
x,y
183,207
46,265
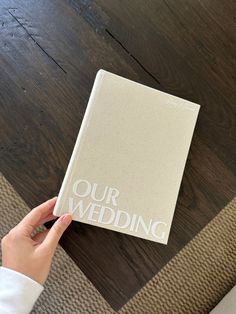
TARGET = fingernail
x,y
53,199
66,219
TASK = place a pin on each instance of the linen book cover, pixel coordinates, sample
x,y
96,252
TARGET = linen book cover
x,y
128,161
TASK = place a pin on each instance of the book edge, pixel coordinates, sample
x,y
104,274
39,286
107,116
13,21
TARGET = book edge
x,y
196,105
186,158
96,86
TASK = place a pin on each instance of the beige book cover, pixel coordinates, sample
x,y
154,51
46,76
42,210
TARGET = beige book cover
x,y
128,161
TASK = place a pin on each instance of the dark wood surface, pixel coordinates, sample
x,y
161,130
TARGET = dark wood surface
x,y
50,52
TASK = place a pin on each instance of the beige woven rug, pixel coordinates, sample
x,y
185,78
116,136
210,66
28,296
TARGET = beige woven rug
x,y
192,282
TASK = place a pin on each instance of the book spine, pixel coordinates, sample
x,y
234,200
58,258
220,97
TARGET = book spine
x,y
84,124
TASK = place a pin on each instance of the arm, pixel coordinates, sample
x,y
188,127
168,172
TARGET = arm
x,y
18,292
26,260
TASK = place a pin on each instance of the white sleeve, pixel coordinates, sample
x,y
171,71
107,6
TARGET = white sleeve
x,y
18,292
227,305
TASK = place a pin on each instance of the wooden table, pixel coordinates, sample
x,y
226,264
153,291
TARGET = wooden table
x,y
50,53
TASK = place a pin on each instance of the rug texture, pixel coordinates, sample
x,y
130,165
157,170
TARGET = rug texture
x,y
194,281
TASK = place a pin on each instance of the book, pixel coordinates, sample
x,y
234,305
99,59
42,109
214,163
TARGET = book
x,y
127,164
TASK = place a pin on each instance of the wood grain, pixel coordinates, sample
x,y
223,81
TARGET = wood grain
x,y
50,53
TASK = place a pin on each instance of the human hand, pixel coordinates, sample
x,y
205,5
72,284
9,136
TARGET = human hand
x,y
32,256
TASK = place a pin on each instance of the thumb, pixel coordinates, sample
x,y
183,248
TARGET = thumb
x,y
57,231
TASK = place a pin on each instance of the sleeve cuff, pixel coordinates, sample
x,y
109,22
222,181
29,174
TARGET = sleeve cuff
x,y
227,305
18,292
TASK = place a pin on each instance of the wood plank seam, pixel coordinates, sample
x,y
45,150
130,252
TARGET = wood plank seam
x,y
89,15
131,55
35,41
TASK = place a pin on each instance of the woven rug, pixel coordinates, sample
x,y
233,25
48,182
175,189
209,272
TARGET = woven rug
x,y
194,281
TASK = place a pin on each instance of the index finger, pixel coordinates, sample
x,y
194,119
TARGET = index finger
x,y
36,216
